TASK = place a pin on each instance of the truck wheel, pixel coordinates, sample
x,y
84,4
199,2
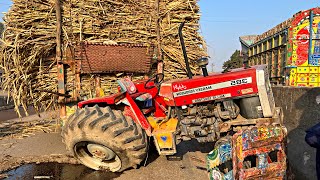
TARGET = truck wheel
x,y
104,139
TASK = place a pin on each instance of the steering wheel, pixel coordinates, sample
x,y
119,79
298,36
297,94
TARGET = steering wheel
x,y
157,79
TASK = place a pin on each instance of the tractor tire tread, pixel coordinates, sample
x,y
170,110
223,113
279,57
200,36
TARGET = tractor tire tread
x,y
130,139
110,128
87,116
98,119
120,131
110,124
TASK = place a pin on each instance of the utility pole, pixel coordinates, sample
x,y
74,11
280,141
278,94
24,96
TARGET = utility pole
x,y
212,67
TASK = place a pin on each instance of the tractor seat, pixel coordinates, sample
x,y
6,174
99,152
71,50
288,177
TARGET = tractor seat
x,y
146,98
143,96
126,85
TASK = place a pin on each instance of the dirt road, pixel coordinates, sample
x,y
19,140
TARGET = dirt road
x,y
11,114
47,147
32,140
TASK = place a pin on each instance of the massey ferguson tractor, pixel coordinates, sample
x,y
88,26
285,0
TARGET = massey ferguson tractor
x,y
235,108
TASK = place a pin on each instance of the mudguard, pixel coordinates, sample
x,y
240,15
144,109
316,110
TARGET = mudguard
x,y
110,100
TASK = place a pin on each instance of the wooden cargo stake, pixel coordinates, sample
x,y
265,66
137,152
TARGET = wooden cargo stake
x,y
61,74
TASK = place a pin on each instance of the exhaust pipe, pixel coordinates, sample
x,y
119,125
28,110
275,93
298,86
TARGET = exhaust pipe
x,y
202,63
184,50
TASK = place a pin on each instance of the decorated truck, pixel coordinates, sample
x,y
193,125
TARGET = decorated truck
x,y
256,152
291,50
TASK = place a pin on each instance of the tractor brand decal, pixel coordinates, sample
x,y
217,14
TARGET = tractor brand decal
x,y
239,81
211,98
179,87
221,85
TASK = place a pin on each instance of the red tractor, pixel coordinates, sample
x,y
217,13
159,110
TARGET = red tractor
x,y
111,133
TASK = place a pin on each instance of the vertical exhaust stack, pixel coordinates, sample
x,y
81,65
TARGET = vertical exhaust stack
x,y
202,63
184,50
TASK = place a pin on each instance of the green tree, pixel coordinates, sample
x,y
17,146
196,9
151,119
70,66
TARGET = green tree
x,y
235,61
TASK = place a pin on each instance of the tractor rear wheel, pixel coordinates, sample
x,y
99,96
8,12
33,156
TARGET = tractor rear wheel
x,y
104,139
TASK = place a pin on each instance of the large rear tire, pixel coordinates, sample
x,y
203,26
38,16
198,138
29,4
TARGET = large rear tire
x,y
104,139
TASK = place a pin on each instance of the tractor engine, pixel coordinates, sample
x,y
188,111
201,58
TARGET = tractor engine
x,y
201,121
208,107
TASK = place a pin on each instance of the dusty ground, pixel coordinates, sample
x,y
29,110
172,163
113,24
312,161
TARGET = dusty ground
x,y
28,141
10,114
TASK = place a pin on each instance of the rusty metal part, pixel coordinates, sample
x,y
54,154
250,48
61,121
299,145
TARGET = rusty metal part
x,y
106,58
69,100
240,121
55,93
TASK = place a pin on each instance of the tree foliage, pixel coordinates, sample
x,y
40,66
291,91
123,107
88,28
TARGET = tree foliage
x,y
235,61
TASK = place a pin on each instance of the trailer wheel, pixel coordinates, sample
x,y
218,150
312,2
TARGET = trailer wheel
x,y
104,139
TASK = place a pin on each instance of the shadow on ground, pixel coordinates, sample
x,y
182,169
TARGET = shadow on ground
x,y
300,112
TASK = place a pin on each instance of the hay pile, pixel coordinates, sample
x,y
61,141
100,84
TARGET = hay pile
x,y
27,57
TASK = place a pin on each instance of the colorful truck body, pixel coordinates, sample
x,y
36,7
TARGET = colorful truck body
x,y
290,50
251,153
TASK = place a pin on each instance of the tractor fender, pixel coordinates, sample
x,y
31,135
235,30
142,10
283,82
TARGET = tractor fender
x,y
131,109
110,100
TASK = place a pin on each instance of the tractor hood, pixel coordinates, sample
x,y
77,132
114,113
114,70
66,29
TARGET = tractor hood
x,y
238,82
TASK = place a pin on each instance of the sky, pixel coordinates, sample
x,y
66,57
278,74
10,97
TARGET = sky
x,y
224,21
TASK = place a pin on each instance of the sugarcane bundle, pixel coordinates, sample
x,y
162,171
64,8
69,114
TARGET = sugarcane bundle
x,y
29,42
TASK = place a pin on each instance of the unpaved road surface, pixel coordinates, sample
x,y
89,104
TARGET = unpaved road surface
x,y
33,140
40,147
8,112
11,114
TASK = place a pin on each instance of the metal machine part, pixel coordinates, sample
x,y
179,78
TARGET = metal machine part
x,y
201,122
251,107
265,91
184,50
202,63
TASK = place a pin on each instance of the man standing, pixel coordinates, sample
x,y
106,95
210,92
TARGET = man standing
x,y
313,139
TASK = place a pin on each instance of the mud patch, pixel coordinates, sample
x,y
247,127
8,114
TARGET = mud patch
x,y
57,171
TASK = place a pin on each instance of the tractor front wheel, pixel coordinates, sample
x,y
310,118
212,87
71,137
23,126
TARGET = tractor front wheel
x,y
104,139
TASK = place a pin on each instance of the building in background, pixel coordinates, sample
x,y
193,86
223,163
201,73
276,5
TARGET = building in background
x,y
291,50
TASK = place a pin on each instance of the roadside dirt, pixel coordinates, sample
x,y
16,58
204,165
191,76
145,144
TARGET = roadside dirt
x,y
11,114
28,141
31,142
